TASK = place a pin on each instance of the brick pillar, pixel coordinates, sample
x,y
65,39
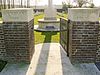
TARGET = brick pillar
x,y
98,51
18,34
2,44
83,41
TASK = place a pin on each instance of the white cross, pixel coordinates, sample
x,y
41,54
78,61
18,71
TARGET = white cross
x,y
50,3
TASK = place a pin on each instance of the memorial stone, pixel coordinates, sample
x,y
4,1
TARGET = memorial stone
x,y
49,22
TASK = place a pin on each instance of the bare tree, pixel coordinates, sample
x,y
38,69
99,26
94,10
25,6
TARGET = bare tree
x,y
9,3
4,4
1,4
24,4
28,3
13,3
18,3
21,3
83,2
68,2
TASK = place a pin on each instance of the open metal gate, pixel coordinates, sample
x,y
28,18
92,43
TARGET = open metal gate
x,y
64,34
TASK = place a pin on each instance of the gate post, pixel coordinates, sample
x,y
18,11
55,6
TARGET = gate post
x,y
83,34
18,34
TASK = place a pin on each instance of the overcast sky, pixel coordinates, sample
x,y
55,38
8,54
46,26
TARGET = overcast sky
x,y
56,2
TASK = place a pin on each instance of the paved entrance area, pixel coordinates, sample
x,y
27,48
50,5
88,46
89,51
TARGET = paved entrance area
x,y
50,59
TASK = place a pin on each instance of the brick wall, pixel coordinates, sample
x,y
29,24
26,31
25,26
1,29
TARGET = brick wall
x,y
98,51
17,41
2,44
83,41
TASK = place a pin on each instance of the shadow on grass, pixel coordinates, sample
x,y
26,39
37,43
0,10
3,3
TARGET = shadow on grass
x,y
48,36
2,64
44,37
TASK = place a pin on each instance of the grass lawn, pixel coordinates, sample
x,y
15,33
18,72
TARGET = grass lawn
x,y
46,37
59,15
38,17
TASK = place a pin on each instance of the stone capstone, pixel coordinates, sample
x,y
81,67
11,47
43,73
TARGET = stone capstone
x,y
83,14
17,15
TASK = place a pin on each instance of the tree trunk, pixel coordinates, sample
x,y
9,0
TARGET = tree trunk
x,y
80,5
0,4
8,1
28,3
4,4
13,3
21,3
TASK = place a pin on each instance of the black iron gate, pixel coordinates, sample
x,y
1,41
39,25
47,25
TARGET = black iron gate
x,y
64,34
